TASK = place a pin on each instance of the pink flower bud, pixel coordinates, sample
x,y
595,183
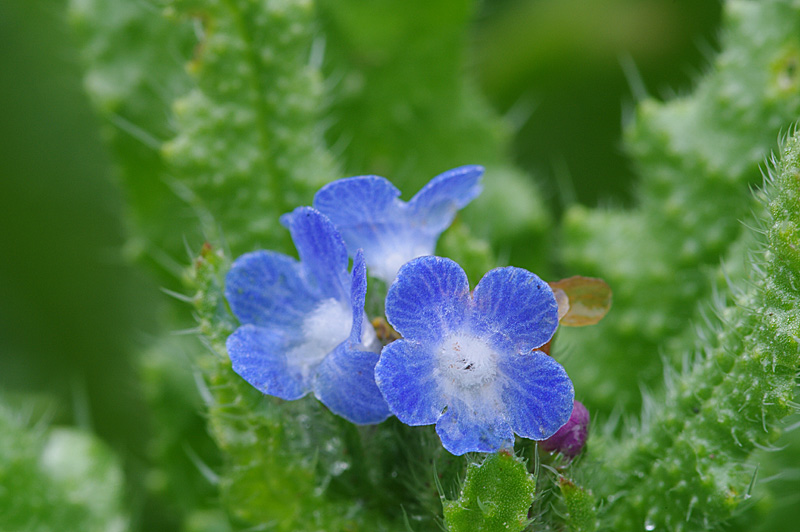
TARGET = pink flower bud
x,y
570,438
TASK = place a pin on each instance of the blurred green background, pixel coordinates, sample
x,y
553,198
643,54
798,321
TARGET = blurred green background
x,y
74,313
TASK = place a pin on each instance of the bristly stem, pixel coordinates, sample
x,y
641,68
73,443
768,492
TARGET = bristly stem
x,y
683,468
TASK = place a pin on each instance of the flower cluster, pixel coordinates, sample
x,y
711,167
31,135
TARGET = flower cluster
x,y
470,362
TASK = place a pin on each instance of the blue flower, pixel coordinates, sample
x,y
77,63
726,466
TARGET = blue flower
x,y
468,362
303,323
368,213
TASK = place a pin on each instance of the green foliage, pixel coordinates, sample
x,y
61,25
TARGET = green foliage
x,y
728,400
473,254
580,504
496,495
248,141
56,478
131,86
183,458
402,108
705,145
224,114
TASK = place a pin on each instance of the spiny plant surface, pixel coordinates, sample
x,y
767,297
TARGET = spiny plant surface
x,y
223,115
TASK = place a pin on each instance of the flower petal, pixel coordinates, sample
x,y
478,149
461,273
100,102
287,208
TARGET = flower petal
x,y
358,296
464,430
345,383
428,300
514,308
537,393
364,209
322,251
406,376
258,355
354,202
370,216
433,208
268,289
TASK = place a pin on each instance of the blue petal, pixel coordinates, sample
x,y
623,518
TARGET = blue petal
x,y
364,209
514,308
406,376
356,201
322,251
259,356
434,207
345,380
537,393
368,214
358,296
345,383
268,289
428,300
463,430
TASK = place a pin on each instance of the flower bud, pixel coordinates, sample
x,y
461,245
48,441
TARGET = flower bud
x,y
570,438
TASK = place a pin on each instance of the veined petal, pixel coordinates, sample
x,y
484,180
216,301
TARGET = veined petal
x,y
516,308
428,300
258,355
369,215
406,376
322,251
463,430
267,289
537,393
345,383
356,201
396,245
364,209
358,296
433,208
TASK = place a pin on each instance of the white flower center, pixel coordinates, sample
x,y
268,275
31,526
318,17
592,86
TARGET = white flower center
x,y
328,324
467,362
393,256
324,328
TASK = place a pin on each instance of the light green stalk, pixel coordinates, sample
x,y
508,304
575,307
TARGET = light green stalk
x,y
248,145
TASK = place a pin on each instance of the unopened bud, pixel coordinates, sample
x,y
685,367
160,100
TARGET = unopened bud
x,y
570,438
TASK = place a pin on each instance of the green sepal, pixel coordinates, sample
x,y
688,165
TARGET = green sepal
x,y
581,514
496,496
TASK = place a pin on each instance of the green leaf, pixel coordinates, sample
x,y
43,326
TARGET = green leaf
x,y
581,514
496,496
728,399
249,146
405,110
698,158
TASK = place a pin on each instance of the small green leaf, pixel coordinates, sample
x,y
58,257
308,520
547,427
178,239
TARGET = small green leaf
x,y
581,513
496,496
